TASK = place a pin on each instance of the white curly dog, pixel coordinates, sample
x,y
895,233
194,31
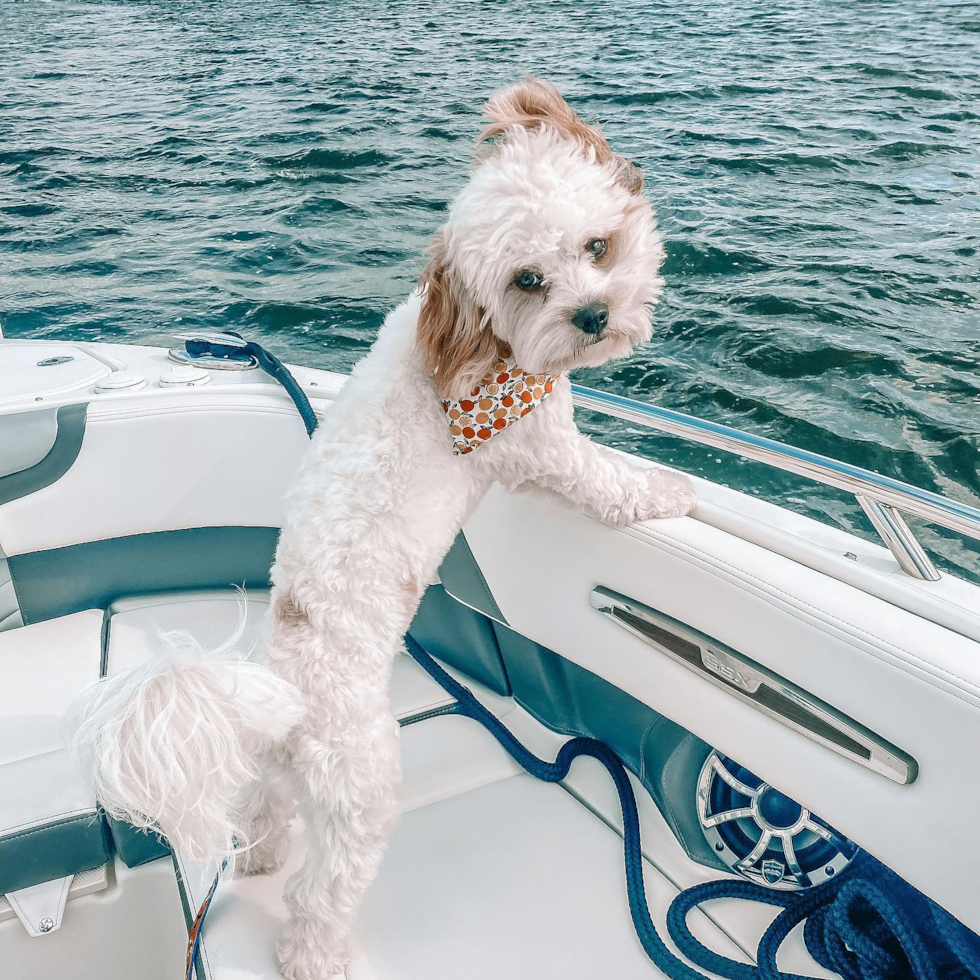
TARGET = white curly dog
x,y
548,261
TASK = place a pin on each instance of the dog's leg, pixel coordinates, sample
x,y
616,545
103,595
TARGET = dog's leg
x,y
265,815
609,487
349,768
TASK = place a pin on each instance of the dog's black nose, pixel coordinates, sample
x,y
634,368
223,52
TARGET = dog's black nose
x,y
592,318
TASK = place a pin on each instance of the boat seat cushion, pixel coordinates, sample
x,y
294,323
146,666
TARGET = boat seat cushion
x,y
135,629
136,624
514,878
134,634
50,826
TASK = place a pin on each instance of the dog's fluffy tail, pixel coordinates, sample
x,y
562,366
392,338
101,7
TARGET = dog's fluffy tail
x,y
172,743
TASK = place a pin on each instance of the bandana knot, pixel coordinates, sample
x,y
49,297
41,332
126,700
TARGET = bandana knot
x,y
505,394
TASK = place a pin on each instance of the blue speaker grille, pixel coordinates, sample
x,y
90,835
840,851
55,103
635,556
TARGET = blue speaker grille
x,y
762,834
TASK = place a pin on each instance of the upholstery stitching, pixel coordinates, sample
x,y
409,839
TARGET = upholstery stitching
x,y
45,822
789,599
20,605
63,897
234,410
90,816
58,749
494,607
17,907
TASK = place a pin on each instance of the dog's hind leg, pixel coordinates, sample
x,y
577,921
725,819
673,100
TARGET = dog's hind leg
x,y
349,775
265,814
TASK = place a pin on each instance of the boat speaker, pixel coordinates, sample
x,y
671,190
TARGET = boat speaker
x,y
763,835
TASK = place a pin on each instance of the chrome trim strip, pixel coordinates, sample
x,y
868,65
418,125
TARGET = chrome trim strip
x,y
764,690
412,715
437,710
932,507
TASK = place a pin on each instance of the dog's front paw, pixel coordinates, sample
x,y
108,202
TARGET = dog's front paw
x,y
668,494
304,953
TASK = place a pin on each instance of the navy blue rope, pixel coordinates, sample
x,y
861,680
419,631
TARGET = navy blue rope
x,y
867,924
553,772
274,367
265,360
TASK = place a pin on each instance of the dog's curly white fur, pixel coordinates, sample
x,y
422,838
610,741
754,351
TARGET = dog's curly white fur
x,y
170,744
380,496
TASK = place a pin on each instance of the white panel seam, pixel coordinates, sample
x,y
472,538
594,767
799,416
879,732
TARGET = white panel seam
x,y
122,415
767,590
41,822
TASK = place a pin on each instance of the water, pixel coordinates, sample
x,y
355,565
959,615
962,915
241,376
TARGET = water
x,y
278,168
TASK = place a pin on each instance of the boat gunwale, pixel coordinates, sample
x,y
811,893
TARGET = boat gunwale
x,y
893,495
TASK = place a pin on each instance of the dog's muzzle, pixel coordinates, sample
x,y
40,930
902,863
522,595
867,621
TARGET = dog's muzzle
x,y
591,319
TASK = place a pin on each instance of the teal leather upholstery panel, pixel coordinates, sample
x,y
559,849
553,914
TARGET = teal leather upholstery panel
x,y
50,825
460,637
54,849
57,461
84,576
136,847
462,578
572,700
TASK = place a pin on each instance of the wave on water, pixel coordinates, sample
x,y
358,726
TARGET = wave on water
x,y
279,169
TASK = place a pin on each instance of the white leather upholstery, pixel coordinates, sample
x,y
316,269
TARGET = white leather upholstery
x,y
457,853
41,903
136,624
10,617
42,670
909,680
132,930
162,464
514,878
27,437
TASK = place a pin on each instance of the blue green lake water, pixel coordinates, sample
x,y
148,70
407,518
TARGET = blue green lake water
x,y
277,166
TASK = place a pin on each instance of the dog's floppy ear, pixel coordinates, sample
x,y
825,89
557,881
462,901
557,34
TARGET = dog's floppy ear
x,y
457,347
535,102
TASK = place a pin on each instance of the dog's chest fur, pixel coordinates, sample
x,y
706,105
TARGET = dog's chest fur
x,y
380,484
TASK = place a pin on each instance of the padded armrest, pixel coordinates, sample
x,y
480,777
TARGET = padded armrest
x,y
49,823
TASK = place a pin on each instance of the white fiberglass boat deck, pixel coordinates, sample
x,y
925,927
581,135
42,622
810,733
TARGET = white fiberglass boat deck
x,y
135,492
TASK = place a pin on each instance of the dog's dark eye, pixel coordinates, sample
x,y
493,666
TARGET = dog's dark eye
x,y
597,246
529,280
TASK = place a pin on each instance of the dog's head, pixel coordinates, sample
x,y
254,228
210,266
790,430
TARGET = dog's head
x,y
551,249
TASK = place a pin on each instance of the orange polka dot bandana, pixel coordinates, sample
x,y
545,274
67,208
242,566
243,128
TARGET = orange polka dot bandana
x,y
504,396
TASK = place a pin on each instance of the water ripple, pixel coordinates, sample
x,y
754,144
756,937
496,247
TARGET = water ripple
x,y
280,168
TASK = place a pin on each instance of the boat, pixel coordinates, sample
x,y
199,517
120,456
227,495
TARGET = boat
x,y
784,695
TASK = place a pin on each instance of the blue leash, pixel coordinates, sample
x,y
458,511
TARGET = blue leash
x,y
244,351
866,924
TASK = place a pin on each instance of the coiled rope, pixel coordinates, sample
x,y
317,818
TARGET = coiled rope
x,y
867,924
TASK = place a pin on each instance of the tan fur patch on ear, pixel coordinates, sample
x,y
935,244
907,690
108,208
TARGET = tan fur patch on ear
x,y
457,349
535,102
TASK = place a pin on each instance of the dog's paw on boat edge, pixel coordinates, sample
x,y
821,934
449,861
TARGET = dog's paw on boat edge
x,y
669,494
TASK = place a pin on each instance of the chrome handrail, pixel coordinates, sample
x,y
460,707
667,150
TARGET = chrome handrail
x,y
883,498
